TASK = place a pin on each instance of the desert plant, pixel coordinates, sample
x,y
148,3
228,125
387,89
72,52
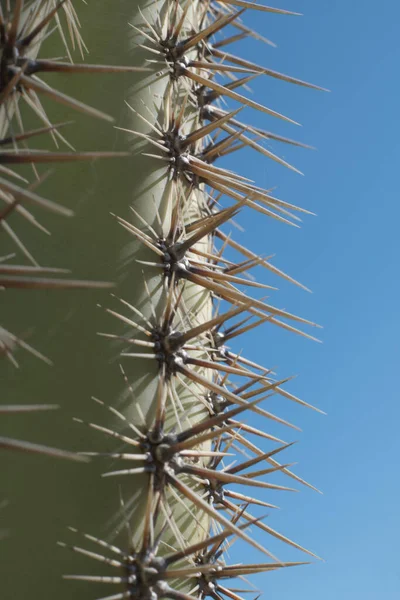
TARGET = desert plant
x,y
181,304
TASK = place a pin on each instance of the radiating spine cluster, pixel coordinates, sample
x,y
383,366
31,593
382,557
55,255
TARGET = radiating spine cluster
x,y
187,390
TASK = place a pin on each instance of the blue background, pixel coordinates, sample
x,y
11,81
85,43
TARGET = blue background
x,y
349,257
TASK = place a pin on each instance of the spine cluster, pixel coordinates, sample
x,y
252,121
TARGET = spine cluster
x,y
187,462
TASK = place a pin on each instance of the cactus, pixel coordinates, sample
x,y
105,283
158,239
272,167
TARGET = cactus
x,y
182,417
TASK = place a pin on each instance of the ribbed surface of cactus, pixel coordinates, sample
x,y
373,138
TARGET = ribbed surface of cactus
x,y
185,463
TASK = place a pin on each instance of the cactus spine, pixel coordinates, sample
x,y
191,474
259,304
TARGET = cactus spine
x,y
187,389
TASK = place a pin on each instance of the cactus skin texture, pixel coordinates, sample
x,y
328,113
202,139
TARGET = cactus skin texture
x,y
187,393
23,26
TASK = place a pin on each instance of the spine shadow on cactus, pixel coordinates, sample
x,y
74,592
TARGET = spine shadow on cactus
x,y
187,390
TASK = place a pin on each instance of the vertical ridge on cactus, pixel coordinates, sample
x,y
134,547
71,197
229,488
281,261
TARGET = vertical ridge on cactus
x,y
172,345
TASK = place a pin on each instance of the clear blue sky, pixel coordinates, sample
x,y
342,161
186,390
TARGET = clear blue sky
x,y
349,256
